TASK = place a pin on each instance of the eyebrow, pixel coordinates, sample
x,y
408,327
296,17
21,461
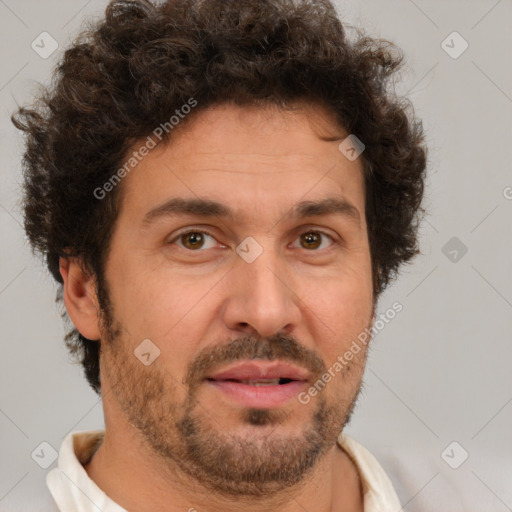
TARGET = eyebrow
x,y
178,206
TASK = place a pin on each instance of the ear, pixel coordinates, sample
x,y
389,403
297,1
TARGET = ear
x,y
79,292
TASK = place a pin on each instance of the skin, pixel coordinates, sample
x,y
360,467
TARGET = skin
x,y
259,161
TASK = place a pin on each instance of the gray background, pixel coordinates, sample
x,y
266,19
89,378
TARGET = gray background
x,y
439,372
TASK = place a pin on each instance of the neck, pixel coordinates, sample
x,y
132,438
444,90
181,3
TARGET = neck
x,y
137,479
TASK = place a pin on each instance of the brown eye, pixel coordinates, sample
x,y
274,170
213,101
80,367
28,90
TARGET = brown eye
x,y
195,240
312,240
192,240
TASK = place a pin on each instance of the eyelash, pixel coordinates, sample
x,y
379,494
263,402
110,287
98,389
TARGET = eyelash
x,y
203,231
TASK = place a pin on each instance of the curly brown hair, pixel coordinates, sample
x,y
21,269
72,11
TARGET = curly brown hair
x,y
129,73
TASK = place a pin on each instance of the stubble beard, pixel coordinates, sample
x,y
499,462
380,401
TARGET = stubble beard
x,y
184,437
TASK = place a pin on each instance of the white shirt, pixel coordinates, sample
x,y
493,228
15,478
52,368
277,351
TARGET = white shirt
x,y
74,491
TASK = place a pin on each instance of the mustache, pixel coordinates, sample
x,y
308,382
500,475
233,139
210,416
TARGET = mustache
x,y
282,347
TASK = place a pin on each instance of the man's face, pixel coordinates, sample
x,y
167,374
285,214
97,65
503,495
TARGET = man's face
x,y
298,292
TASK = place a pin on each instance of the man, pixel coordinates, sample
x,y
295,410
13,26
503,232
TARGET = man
x,y
222,189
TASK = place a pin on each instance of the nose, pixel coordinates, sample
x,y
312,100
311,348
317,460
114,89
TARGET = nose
x,y
261,299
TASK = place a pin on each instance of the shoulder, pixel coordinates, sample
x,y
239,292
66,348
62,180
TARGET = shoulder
x,y
379,493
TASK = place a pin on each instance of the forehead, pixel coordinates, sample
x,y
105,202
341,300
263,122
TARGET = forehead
x,y
247,157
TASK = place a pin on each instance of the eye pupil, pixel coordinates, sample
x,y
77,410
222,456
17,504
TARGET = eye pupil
x,y
311,238
196,240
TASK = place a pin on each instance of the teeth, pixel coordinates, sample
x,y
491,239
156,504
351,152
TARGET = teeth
x,y
263,382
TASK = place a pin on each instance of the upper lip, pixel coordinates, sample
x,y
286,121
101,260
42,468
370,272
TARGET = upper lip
x,y
254,370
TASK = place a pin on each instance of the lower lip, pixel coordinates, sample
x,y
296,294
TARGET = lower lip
x,y
266,396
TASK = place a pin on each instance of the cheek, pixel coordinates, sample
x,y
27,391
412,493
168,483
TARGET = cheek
x,y
163,306
152,297
341,309
347,310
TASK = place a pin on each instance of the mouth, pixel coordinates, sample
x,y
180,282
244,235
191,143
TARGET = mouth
x,y
256,382
259,384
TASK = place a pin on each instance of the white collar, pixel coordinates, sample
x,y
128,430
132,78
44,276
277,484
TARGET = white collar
x,y
73,489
